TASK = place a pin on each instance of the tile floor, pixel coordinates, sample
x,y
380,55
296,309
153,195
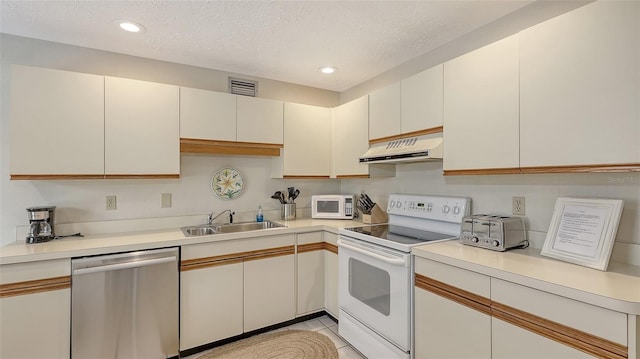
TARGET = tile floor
x,y
323,325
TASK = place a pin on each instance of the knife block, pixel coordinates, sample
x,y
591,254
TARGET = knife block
x,y
377,216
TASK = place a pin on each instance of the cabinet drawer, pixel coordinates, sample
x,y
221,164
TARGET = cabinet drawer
x,y
475,283
603,323
241,247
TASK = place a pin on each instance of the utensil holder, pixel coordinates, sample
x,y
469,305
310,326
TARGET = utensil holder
x,y
377,216
288,211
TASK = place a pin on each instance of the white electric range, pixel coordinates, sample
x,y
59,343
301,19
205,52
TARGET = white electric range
x,y
376,272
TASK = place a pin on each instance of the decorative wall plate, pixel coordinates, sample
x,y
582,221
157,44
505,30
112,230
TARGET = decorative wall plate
x,y
227,183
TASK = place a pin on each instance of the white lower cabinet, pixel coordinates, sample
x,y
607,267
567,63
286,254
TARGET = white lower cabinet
x,y
35,310
510,342
502,319
210,296
310,272
269,289
231,287
441,321
331,274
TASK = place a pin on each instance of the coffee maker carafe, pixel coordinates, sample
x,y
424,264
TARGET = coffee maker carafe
x,y
40,224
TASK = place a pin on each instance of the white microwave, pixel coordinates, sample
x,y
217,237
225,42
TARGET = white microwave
x,y
332,206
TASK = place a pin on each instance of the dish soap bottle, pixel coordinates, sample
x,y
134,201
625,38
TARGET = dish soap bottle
x,y
259,216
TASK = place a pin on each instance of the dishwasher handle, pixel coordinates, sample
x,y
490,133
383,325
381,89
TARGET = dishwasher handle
x,y
125,265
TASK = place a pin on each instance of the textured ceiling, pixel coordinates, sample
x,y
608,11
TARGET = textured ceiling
x,y
280,40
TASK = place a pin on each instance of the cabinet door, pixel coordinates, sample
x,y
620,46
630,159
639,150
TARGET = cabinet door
x,y
580,87
310,269
481,108
208,297
421,100
443,313
510,342
142,128
331,275
207,115
307,140
57,122
351,126
384,112
259,120
36,325
269,291
440,325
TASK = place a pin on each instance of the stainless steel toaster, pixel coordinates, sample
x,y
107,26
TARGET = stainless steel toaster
x,y
494,232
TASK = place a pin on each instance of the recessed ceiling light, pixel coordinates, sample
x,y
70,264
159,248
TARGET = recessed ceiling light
x,y
130,26
327,70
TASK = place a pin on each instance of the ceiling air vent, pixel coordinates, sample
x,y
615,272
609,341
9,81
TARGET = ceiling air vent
x,y
243,87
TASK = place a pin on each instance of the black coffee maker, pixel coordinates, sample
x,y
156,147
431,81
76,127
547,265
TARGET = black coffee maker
x,y
41,224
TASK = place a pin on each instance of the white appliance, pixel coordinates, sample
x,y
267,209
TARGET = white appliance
x,y
375,275
332,206
414,149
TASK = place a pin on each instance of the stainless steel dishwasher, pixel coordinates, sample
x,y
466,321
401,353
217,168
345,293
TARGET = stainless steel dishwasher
x,y
125,305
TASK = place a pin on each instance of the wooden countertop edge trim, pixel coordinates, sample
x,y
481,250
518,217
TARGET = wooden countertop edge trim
x,y
427,131
484,171
306,177
224,259
597,168
191,145
23,177
34,286
457,295
352,176
143,176
311,247
331,247
563,334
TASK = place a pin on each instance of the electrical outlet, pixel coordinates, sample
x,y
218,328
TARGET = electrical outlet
x,y
165,200
518,206
111,203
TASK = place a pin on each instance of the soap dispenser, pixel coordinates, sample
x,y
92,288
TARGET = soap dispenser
x,y
259,216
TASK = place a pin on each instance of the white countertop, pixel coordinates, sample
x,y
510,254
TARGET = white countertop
x,y
617,289
20,252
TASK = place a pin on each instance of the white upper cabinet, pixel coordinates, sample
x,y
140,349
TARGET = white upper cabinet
x,y
350,123
384,112
142,128
259,120
481,108
307,140
207,115
421,101
580,87
56,120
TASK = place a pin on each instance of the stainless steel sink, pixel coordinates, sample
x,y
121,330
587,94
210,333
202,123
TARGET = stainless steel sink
x,y
194,231
247,226
205,230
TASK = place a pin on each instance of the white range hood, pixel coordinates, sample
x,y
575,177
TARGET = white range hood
x,y
414,149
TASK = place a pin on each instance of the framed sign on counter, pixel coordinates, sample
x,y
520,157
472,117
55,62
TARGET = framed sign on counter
x,y
582,231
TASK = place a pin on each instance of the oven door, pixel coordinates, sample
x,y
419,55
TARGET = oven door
x,y
374,288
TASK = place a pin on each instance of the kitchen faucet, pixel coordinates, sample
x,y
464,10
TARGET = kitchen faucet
x,y
211,218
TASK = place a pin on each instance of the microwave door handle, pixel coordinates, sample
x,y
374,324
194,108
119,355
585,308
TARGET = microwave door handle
x,y
392,261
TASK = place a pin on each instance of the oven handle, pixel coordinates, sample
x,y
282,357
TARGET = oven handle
x,y
393,261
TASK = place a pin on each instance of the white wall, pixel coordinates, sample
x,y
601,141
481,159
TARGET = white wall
x,y
492,195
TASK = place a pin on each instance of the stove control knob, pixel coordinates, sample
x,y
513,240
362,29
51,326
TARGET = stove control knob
x,y
456,210
446,208
475,239
495,243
